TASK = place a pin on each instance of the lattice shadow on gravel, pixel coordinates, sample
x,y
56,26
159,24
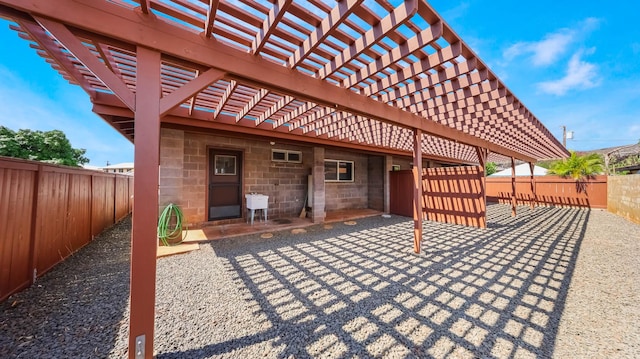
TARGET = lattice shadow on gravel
x,y
497,292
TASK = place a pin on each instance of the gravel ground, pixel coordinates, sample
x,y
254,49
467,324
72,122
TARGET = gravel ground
x,y
552,282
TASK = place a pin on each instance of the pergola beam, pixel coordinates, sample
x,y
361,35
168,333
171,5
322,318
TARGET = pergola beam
x,y
125,25
331,22
211,16
412,45
282,103
253,102
225,97
387,25
37,33
71,43
269,25
187,90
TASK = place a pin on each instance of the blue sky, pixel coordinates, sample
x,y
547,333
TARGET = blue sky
x,y
572,63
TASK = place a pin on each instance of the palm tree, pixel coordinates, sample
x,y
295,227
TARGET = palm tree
x,y
578,167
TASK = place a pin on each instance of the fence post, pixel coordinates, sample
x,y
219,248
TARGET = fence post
x,y
533,185
33,259
513,187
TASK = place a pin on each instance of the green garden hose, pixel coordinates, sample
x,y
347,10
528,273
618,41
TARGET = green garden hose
x,y
168,236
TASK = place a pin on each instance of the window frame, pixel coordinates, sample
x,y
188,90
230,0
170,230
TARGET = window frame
x,y
286,156
338,162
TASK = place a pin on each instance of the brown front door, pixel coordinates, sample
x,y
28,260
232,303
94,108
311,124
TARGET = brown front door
x,y
225,184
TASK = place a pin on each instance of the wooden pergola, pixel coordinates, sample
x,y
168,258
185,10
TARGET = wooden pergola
x,y
378,75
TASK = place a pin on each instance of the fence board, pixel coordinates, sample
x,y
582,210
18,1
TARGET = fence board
x,y
450,195
16,191
48,212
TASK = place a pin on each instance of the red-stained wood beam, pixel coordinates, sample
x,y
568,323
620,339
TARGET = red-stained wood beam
x,y
412,45
125,25
225,97
269,25
419,67
299,111
255,100
71,43
192,100
145,6
279,105
331,22
190,89
211,16
144,239
107,106
417,190
37,33
387,25
438,80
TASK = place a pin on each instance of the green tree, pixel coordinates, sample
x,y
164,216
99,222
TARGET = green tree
x,y
46,146
578,167
490,168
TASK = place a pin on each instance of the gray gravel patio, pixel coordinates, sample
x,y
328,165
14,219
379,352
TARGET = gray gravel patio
x,y
551,282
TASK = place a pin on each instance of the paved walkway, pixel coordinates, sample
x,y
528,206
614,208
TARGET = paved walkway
x,y
552,282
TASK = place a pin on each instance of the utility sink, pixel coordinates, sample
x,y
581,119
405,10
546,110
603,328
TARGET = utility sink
x,y
256,201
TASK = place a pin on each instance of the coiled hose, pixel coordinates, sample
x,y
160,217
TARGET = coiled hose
x,y
171,214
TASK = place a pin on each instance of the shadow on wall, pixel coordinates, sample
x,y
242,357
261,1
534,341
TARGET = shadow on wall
x,y
473,292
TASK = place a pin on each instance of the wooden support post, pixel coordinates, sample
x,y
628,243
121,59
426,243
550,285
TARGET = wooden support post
x,y
482,160
513,187
144,240
417,190
534,197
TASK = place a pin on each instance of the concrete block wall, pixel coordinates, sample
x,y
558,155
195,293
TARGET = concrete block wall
x,y
171,167
343,195
376,182
623,196
186,154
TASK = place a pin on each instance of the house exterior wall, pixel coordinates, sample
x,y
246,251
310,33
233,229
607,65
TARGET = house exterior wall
x,y
184,175
343,195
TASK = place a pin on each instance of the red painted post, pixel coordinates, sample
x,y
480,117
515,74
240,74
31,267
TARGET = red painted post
x,y
533,185
482,159
417,190
144,241
513,187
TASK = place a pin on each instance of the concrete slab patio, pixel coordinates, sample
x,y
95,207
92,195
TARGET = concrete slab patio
x,y
552,282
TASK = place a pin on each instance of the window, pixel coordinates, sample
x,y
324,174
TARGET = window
x,y
225,165
286,156
338,171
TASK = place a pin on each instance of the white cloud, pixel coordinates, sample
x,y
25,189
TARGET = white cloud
x,y
546,51
580,75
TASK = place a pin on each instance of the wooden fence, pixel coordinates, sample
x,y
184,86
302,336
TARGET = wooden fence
x,y
550,190
48,212
450,195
